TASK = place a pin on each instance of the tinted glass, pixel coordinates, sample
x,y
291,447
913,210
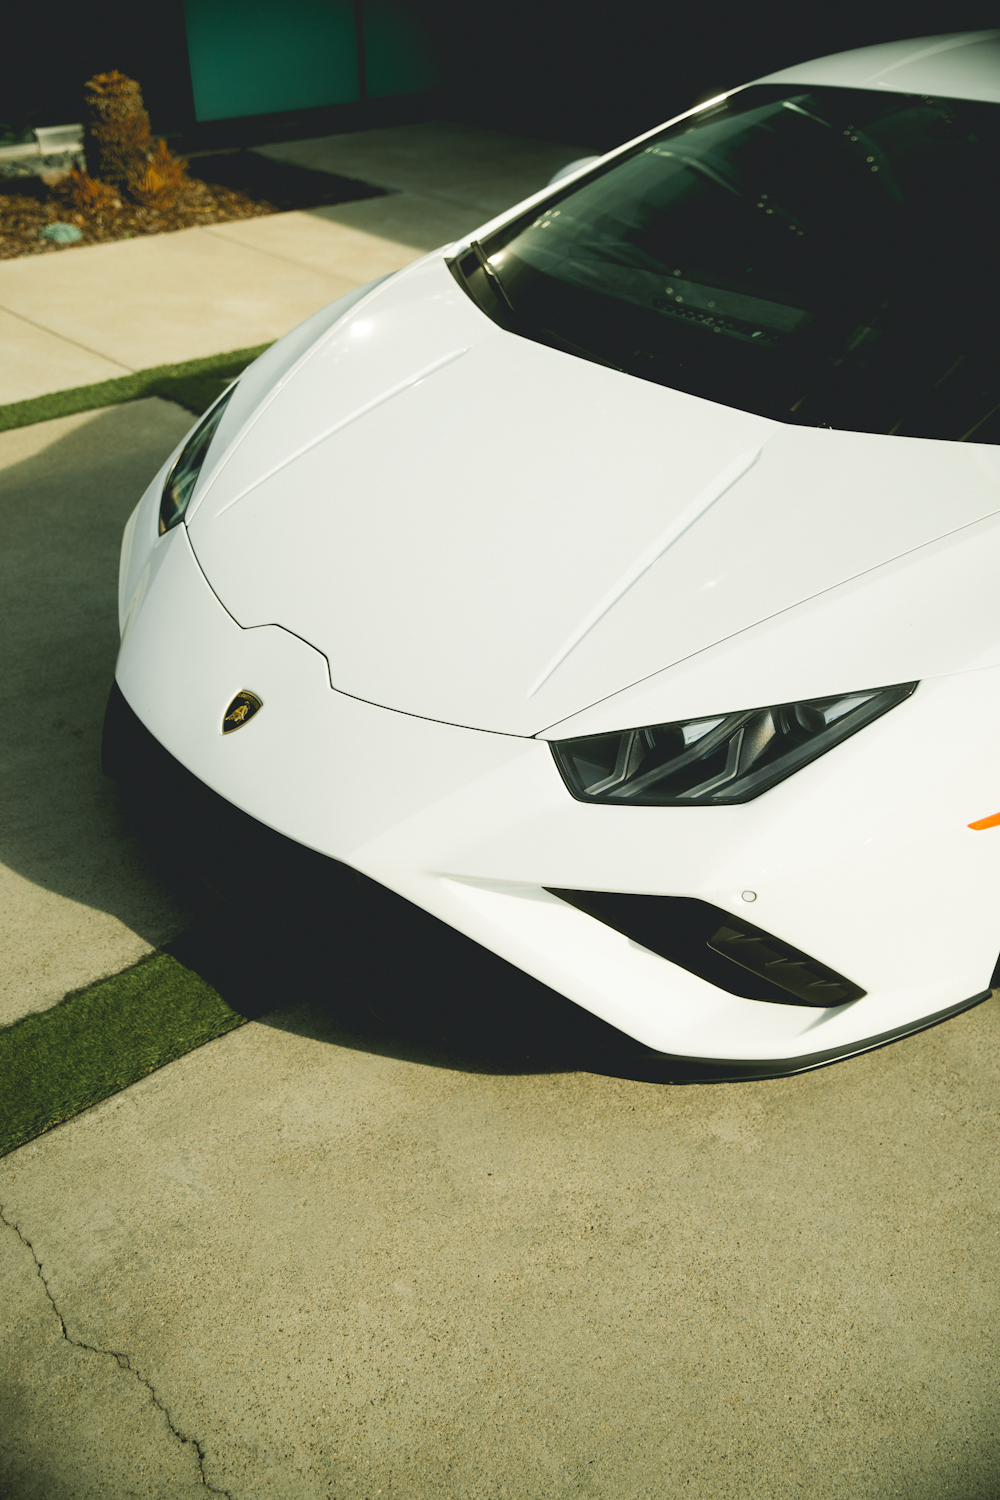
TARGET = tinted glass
x,y
819,256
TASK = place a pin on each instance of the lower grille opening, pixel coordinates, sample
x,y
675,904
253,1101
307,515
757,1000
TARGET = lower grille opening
x,y
720,948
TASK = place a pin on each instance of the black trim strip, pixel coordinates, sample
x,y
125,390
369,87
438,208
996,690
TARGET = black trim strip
x,y
728,1070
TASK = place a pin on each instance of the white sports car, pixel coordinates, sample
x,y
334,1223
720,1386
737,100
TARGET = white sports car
x,y
618,584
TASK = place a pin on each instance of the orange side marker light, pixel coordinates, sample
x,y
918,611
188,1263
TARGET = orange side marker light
x,y
993,822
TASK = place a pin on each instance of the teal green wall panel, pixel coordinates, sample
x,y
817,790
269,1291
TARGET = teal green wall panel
x,y
398,55
257,57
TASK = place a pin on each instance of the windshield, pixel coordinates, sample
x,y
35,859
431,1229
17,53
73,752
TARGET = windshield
x,y
821,256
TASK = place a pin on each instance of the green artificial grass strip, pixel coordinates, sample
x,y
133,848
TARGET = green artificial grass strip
x,y
194,384
99,1040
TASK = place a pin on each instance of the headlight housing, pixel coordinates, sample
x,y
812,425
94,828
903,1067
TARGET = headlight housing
x,y
719,760
183,476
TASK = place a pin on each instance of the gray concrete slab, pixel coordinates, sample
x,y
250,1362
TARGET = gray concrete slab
x,y
99,1421
76,902
164,298
30,356
482,171
347,1267
352,255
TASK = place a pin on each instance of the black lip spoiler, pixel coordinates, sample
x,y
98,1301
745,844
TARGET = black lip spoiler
x,y
728,1070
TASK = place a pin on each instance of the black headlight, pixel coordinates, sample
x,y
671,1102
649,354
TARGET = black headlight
x,y
713,761
184,475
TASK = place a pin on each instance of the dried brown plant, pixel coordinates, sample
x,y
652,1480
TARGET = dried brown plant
x,y
163,179
85,195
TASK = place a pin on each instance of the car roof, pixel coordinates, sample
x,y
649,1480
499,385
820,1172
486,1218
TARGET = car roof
x,y
959,65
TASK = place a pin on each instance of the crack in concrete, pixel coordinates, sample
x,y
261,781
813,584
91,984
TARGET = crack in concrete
x,y
123,1360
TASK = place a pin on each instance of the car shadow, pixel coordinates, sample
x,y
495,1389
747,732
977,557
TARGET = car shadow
x,y
282,184
66,490
303,943
387,978
289,936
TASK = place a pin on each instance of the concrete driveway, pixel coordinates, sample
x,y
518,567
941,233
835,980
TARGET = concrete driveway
x,y
313,1260
75,901
425,1230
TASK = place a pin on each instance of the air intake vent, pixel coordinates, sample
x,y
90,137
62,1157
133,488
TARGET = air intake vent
x,y
718,947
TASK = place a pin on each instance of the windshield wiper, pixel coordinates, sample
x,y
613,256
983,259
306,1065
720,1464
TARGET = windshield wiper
x,y
491,273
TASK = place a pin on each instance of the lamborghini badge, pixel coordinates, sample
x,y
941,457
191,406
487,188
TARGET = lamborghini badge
x,y
241,711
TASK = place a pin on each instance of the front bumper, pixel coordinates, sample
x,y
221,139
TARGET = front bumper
x,y
862,860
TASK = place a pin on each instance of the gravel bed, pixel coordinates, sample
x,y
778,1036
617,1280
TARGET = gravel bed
x,y
24,215
240,185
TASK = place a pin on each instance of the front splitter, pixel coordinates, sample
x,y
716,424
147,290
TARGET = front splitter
x,y
725,1070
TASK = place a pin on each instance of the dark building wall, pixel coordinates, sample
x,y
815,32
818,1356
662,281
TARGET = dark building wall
x,y
204,61
599,73
253,57
592,75
44,61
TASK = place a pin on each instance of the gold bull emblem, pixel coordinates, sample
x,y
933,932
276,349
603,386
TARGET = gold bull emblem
x,y
241,711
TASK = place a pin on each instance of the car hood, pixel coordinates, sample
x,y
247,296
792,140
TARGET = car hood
x,y
476,528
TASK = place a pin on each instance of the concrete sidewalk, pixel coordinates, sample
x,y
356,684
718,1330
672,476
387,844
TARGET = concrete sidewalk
x,y
101,311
